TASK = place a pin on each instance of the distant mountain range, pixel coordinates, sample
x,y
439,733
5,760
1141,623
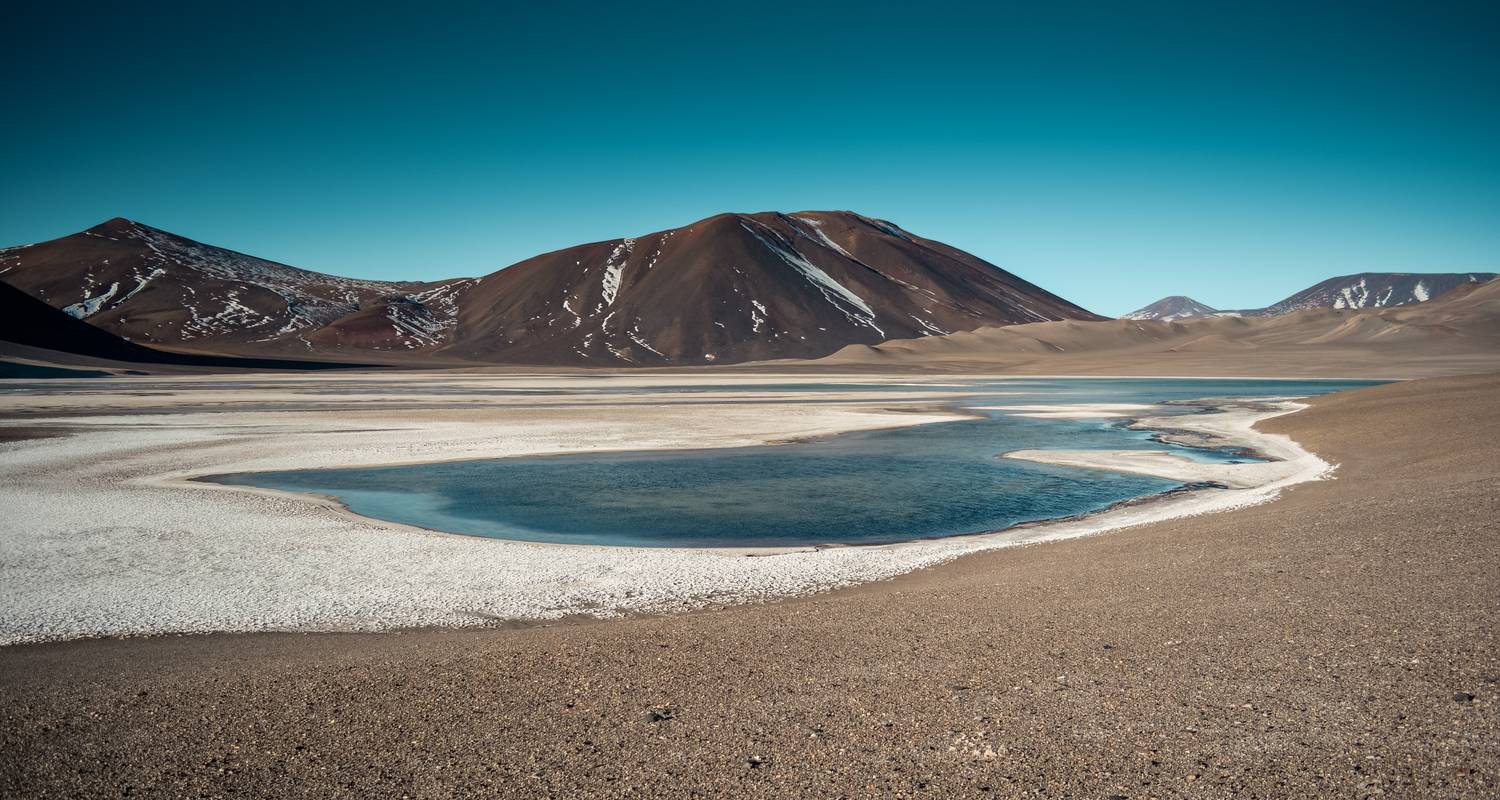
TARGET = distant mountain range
x,y
1459,331
727,289
1365,290
1374,290
730,288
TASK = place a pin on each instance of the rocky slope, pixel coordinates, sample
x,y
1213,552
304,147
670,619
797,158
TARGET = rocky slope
x,y
1373,290
1365,290
738,287
31,330
729,288
150,286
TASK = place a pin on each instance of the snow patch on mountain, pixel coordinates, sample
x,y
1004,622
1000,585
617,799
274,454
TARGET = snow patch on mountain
x,y
927,327
757,316
142,280
91,305
838,295
886,227
817,229
234,316
1353,296
613,267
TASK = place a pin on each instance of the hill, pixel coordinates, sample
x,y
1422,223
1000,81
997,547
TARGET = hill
x,y
729,288
33,331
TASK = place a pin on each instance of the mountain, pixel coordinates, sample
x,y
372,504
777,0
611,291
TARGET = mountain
x,y
41,330
1170,308
1458,332
1365,290
31,322
729,288
148,285
1373,290
737,287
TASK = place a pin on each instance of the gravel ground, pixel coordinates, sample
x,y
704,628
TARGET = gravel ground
x,y
1340,642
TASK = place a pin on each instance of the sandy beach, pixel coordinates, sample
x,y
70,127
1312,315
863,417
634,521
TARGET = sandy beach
x,y
1334,642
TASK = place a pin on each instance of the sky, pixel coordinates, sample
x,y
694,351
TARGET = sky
x,y
1112,153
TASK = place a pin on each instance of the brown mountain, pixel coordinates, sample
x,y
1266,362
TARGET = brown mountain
x,y
1374,290
733,287
150,286
33,330
1364,290
738,287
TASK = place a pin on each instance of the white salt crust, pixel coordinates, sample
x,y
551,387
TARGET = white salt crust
x,y
103,534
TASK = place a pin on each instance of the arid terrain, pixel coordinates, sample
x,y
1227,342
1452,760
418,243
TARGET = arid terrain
x,y
632,401
1453,334
834,286
1333,642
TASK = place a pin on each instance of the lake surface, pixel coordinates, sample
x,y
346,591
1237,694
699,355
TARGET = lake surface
x,y
868,487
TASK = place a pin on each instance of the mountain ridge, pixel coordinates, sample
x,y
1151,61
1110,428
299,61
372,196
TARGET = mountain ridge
x,y
1375,290
731,287
1359,290
1460,330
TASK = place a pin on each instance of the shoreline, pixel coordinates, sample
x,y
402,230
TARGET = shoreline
x,y
1332,643
412,578
1195,476
1229,425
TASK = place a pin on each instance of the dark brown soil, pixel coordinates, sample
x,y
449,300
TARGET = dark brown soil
x,y
21,434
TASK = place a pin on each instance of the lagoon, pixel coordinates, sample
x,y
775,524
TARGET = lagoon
x,y
870,487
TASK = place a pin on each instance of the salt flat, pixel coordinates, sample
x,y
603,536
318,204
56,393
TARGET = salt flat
x,y
106,534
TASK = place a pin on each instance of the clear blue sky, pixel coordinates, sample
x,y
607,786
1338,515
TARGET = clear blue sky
x,y
1111,152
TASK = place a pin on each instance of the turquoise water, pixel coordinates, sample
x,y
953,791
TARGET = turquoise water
x,y
869,487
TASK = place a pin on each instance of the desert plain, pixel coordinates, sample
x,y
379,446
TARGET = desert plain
x,y
1324,632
